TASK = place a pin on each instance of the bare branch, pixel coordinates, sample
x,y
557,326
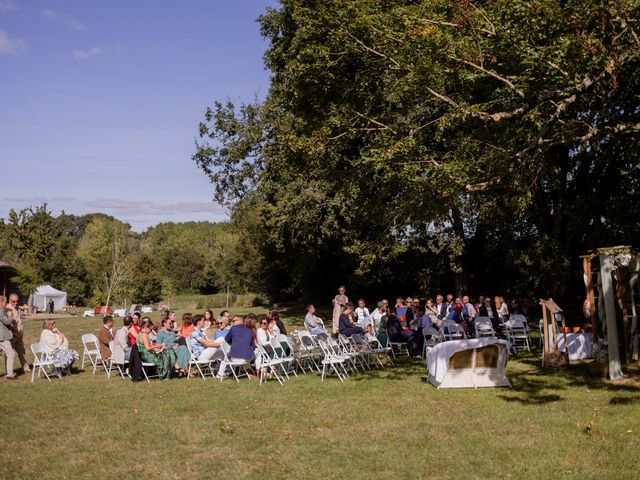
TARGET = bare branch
x,y
557,67
374,121
369,49
627,24
491,73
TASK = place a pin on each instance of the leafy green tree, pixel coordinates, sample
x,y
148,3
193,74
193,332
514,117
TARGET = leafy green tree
x,y
415,142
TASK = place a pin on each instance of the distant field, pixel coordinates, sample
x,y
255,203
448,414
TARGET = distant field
x,y
385,424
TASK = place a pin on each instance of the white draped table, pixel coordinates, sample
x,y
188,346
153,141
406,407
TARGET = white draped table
x,y
442,377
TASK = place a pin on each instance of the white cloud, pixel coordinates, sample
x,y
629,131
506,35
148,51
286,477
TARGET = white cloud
x,y
119,206
10,46
86,54
65,19
7,5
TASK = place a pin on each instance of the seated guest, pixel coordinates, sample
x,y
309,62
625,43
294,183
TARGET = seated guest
x,y
275,317
313,323
404,314
134,329
346,325
264,334
151,353
455,313
398,334
223,326
382,323
105,337
242,341
273,326
179,354
377,315
209,321
423,319
187,325
202,348
363,317
121,340
468,315
488,309
56,346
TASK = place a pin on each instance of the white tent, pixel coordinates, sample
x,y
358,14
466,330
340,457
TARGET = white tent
x,y
44,294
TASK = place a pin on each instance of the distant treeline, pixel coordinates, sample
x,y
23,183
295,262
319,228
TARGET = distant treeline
x,y
95,257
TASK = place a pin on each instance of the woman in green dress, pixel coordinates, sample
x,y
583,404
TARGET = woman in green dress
x,y
154,353
382,330
179,353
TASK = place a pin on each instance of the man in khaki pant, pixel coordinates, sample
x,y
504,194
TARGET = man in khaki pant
x,y
18,331
5,339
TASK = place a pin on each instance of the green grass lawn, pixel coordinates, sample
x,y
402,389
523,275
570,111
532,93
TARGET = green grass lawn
x,y
382,424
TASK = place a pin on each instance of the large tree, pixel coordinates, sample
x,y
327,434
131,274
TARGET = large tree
x,y
421,141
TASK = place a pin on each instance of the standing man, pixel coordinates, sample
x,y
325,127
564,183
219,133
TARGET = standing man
x,y
5,339
105,337
51,305
18,331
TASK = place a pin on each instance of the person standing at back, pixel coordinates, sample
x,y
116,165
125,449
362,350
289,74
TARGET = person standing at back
x,y
51,306
339,301
18,331
5,339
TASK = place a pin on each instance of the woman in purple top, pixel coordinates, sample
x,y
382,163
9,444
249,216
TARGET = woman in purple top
x,y
242,340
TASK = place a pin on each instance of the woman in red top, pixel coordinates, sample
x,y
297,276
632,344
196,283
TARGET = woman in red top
x,y
134,329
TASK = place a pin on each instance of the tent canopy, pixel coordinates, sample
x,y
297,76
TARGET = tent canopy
x,y
44,294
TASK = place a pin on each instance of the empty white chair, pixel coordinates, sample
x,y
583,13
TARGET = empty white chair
x,y
484,327
41,361
91,350
517,332
430,335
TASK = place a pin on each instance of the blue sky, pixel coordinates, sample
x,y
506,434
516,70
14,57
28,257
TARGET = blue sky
x,y
100,101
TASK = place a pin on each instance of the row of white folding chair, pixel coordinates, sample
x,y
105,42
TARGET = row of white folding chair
x,y
233,364
400,346
310,350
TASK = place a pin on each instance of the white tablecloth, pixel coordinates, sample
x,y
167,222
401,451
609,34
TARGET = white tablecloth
x,y
120,312
579,345
146,310
88,313
438,357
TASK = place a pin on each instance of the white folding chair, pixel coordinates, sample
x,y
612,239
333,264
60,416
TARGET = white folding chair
x,y
430,335
331,360
118,360
194,362
41,361
91,349
484,327
270,364
310,346
517,333
233,364
399,345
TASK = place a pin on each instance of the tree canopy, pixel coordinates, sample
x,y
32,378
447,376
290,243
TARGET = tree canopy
x,y
434,144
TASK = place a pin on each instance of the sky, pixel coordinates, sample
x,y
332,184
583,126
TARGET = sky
x,y
100,102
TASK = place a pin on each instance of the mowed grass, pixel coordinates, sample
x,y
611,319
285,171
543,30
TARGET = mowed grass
x,y
387,424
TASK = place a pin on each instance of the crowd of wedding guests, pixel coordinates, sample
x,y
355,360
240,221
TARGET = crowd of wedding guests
x,y
169,344
404,321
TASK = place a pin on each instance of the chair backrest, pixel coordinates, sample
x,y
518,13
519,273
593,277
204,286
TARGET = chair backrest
x,y
89,338
117,353
39,351
520,319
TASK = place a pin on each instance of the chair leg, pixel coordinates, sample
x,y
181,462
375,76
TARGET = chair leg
x,y
33,373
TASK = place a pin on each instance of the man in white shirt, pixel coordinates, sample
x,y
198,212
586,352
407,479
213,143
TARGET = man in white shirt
x,y
313,323
363,317
377,315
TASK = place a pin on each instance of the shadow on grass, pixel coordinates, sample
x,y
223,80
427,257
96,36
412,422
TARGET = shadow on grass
x,y
537,385
403,368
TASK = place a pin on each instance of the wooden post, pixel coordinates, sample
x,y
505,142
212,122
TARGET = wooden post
x,y
606,268
545,332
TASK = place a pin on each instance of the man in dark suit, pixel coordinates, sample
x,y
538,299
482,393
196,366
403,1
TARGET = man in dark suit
x,y
488,309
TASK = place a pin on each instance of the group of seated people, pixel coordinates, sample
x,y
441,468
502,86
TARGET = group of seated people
x,y
170,347
404,322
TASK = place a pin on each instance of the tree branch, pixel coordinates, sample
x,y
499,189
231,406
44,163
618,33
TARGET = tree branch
x,y
491,73
369,49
